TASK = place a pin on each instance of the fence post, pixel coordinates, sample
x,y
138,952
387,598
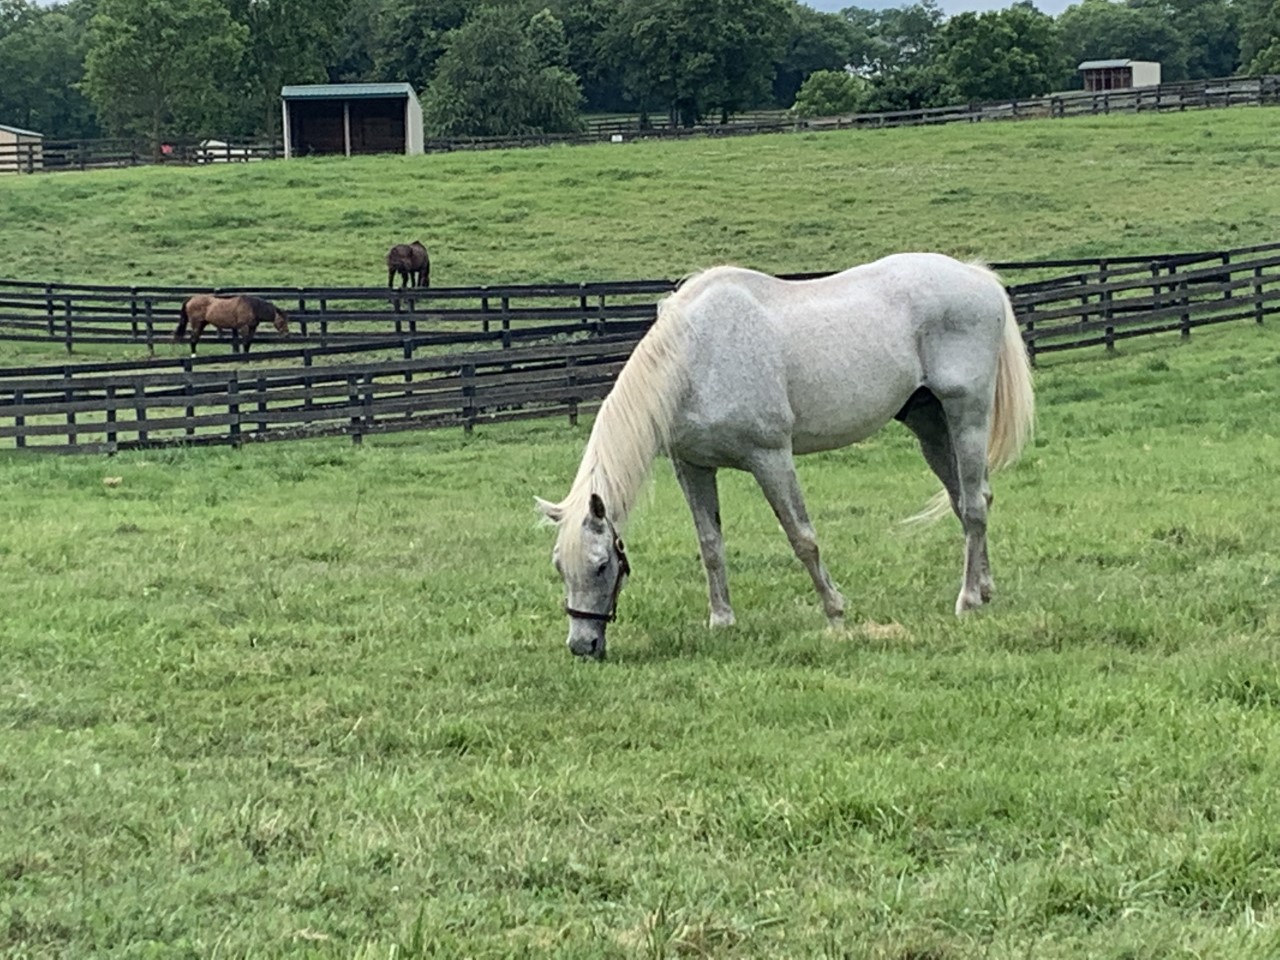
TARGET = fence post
x,y
151,332
1226,262
367,401
261,387
19,421
484,308
353,407
1104,275
571,372
140,409
1258,311
111,419
133,312
189,390
233,408
506,323
71,414
48,308
1186,309
66,324
1028,334
468,396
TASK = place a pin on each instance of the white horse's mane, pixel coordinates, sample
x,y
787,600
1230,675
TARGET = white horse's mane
x,y
633,425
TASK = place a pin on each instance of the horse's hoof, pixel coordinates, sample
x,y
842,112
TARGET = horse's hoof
x,y
723,618
966,602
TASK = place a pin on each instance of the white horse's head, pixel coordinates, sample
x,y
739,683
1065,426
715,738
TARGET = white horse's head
x,y
591,560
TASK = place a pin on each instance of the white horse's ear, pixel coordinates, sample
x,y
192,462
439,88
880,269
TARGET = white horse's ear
x,y
552,511
597,506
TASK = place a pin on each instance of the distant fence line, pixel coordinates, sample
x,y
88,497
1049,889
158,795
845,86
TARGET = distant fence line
x,y
53,155
476,367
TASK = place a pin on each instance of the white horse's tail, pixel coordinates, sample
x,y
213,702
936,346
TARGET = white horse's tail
x,y
1014,409
1013,419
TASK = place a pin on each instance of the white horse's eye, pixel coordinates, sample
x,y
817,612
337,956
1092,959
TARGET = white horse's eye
x,y
601,568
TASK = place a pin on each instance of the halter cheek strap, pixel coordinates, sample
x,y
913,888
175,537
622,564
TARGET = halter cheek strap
x,y
624,569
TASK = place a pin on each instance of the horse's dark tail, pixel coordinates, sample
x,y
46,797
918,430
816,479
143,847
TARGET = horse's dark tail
x,y
182,323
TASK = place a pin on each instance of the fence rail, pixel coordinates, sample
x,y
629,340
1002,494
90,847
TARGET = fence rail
x,y
53,155
467,356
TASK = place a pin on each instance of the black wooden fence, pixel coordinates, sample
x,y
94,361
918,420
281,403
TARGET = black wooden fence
x,y
505,354
54,155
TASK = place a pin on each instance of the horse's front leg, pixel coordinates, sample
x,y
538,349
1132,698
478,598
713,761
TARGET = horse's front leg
x,y
699,486
196,328
775,471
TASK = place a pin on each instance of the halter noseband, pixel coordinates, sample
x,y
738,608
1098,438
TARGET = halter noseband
x,y
624,568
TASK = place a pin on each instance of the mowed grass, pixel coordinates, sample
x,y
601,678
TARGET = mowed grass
x,y
313,700
781,203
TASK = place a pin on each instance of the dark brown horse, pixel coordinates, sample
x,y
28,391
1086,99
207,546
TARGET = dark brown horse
x,y
412,262
239,313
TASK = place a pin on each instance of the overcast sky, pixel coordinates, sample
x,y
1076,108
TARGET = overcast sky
x,y
1051,7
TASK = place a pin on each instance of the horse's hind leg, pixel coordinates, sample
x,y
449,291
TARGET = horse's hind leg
x,y
925,417
775,471
968,424
699,486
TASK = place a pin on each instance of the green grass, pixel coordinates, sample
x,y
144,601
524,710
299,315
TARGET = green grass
x,y
780,203
311,699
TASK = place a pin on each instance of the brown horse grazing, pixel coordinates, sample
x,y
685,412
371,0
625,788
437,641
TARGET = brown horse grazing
x,y
239,313
412,262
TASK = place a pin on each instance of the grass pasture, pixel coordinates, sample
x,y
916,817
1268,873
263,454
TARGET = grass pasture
x,y
312,700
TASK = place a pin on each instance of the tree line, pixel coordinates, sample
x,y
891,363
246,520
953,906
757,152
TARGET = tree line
x,y
169,69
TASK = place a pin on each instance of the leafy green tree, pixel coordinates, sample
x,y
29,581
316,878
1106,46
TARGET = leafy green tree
x,y
897,37
910,88
692,56
1260,36
1101,30
826,93
816,42
162,67
1001,55
897,53
289,41
41,66
546,34
491,80
410,37
586,23
1210,30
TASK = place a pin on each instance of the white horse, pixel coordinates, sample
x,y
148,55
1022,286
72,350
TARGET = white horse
x,y
744,370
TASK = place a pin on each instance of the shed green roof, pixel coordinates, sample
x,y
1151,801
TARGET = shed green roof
x,y
346,91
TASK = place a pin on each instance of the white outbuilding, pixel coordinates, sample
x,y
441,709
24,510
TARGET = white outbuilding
x,y
21,151
350,118
1102,75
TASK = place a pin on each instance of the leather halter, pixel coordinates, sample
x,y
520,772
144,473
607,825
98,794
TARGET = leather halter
x,y
624,568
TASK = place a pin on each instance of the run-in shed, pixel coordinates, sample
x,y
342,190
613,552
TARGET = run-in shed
x,y
1119,74
21,151
350,118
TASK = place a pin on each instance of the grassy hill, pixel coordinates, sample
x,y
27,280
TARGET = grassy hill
x,y
1121,184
